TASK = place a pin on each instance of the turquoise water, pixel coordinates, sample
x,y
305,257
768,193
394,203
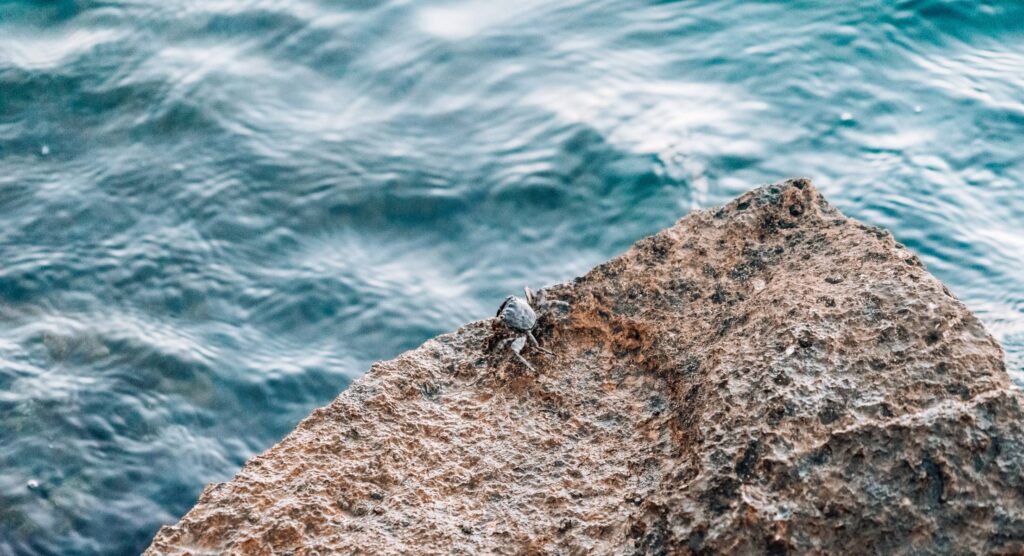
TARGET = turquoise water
x,y
217,214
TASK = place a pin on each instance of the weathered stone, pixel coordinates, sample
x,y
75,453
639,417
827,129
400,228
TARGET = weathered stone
x,y
765,377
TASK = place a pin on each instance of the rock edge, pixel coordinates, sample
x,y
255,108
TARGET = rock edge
x,y
764,377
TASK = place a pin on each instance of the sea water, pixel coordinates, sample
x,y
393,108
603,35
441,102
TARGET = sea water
x,y
214,215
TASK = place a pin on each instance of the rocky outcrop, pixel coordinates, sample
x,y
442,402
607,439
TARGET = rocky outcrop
x,y
765,377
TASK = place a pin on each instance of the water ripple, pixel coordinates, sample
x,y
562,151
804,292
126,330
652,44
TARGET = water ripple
x,y
220,213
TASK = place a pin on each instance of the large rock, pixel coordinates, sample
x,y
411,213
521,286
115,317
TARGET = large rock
x,y
768,376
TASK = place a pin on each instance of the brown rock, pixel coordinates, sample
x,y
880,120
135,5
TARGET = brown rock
x,y
765,377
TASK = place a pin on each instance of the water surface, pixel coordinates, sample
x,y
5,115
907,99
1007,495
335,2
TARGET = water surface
x,y
217,214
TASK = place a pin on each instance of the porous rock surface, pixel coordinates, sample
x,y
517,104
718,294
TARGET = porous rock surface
x,y
765,377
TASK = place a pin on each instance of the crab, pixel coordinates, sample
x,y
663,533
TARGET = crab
x,y
518,315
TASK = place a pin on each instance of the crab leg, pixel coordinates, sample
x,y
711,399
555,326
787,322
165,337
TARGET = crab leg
x,y
533,342
524,362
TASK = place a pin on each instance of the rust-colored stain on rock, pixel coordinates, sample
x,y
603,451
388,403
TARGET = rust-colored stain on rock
x,y
765,377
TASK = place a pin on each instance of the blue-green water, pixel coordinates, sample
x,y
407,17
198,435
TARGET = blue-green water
x,y
216,214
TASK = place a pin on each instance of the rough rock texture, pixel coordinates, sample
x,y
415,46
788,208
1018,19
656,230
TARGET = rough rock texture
x,y
765,377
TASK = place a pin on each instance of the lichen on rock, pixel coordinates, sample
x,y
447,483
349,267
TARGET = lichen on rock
x,y
765,377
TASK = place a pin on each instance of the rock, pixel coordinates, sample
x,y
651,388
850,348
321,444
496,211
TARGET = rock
x,y
765,377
